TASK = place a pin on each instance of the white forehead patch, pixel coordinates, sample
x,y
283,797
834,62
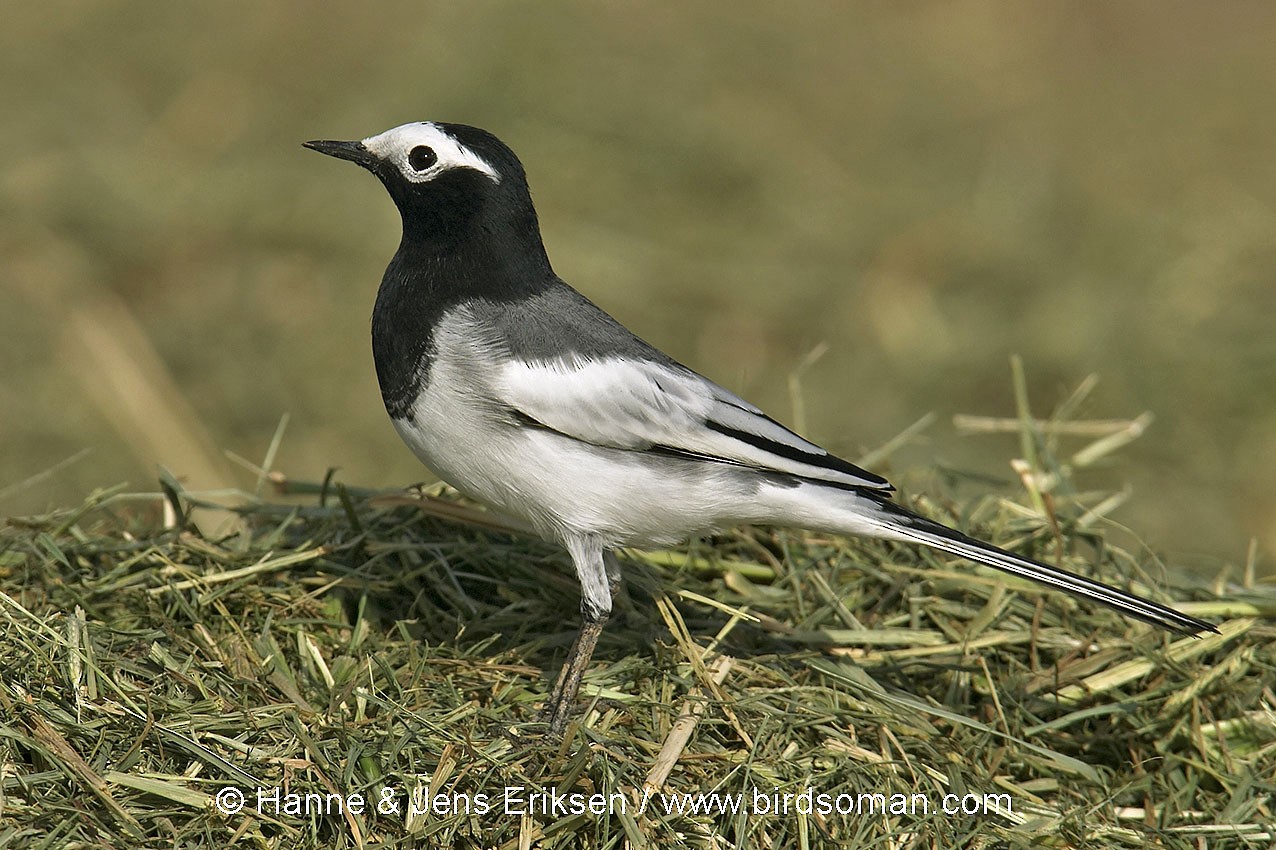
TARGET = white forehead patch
x,y
395,145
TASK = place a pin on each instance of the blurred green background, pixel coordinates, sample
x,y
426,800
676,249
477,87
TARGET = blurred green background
x,y
927,188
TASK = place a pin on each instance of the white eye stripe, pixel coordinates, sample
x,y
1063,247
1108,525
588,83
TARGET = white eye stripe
x,y
396,145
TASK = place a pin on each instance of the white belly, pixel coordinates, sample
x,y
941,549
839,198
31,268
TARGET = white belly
x,y
562,486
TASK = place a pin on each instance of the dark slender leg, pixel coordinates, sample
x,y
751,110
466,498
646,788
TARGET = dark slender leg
x,y
563,698
593,566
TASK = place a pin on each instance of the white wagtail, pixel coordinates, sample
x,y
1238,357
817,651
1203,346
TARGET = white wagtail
x,y
524,395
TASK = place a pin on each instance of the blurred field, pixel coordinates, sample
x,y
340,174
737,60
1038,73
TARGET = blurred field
x,y
925,188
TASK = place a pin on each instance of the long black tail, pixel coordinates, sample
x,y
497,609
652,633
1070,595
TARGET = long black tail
x,y
910,526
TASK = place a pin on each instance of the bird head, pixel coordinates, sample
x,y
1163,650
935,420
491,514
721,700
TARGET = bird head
x,y
444,178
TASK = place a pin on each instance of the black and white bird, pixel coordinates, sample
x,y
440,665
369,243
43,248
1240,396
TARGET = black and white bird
x,y
521,393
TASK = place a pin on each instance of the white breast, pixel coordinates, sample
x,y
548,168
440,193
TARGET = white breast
x,y
462,431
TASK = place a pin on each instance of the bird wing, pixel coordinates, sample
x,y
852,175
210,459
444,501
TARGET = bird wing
x,y
643,405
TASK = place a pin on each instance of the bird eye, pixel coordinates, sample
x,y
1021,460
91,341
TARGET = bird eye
x,y
421,157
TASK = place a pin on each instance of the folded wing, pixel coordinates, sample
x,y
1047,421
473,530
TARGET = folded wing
x,y
642,405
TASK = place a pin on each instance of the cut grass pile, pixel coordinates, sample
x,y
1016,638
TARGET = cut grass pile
x,y
338,642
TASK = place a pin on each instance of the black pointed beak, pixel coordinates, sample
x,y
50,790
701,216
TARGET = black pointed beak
x,y
353,151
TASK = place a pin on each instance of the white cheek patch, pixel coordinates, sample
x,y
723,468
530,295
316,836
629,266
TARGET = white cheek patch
x,y
395,145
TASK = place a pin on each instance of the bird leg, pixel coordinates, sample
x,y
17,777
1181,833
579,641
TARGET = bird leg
x,y
615,581
563,697
597,570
